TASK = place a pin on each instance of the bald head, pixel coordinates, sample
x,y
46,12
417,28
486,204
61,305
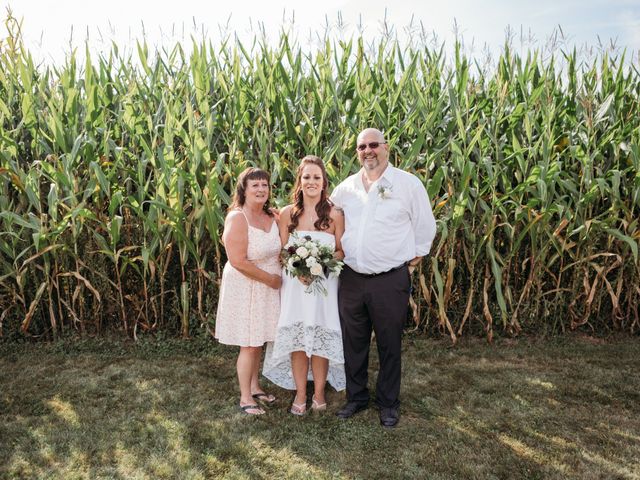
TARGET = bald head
x,y
373,133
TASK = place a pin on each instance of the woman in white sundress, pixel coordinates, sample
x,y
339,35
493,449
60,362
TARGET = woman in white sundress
x,y
249,302
308,332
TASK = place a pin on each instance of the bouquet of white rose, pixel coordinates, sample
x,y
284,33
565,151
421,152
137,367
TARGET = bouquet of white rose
x,y
309,259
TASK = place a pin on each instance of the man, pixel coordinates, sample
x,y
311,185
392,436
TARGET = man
x,y
389,227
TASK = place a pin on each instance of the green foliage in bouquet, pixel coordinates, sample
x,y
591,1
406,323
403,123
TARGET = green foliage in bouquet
x,y
310,261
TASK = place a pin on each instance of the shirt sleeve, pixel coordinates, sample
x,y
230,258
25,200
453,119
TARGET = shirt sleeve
x,y
336,196
422,219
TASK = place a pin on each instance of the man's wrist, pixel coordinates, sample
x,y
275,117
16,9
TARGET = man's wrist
x,y
415,262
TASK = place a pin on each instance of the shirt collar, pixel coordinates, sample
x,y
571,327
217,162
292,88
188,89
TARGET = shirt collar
x,y
387,175
386,179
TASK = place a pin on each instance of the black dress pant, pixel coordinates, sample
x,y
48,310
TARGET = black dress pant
x,y
380,303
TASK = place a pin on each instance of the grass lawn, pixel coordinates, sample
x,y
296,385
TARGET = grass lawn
x,y
561,408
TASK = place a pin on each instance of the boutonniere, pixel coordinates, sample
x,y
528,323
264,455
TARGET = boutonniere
x,y
384,192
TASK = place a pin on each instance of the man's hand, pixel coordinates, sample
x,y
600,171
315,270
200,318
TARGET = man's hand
x,y
414,263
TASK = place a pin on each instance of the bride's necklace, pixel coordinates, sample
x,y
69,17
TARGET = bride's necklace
x,y
311,213
312,218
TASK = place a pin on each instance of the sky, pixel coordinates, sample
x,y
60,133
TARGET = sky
x,y
51,28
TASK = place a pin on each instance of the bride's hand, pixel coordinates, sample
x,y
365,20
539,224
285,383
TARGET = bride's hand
x,y
306,281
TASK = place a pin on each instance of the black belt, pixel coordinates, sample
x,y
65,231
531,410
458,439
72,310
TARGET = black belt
x,y
371,275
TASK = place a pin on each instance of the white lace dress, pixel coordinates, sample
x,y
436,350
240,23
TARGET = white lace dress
x,y
248,310
308,322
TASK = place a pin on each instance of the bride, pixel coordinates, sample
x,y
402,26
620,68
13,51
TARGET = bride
x,y
308,332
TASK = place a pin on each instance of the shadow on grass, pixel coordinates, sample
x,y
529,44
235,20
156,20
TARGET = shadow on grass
x,y
527,410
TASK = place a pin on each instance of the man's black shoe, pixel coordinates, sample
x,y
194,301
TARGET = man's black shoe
x,y
350,409
389,417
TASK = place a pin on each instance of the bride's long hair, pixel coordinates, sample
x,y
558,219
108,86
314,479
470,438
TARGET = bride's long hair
x,y
323,208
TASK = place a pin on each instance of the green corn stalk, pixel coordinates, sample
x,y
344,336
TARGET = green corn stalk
x,y
116,173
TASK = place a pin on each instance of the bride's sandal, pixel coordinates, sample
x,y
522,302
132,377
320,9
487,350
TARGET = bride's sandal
x,y
318,407
298,409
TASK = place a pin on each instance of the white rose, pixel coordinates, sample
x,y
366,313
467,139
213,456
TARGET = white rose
x,y
314,251
309,245
311,261
316,269
302,252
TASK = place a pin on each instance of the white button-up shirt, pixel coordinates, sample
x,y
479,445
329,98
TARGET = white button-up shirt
x,y
387,226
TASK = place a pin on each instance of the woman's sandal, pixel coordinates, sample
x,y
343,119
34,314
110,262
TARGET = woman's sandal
x,y
245,409
318,407
265,398
298,409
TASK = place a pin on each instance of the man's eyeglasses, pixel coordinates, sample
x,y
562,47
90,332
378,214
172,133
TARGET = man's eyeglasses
x,y
372,145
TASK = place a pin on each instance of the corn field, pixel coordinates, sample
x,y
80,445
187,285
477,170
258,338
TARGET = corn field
x,y
115,176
